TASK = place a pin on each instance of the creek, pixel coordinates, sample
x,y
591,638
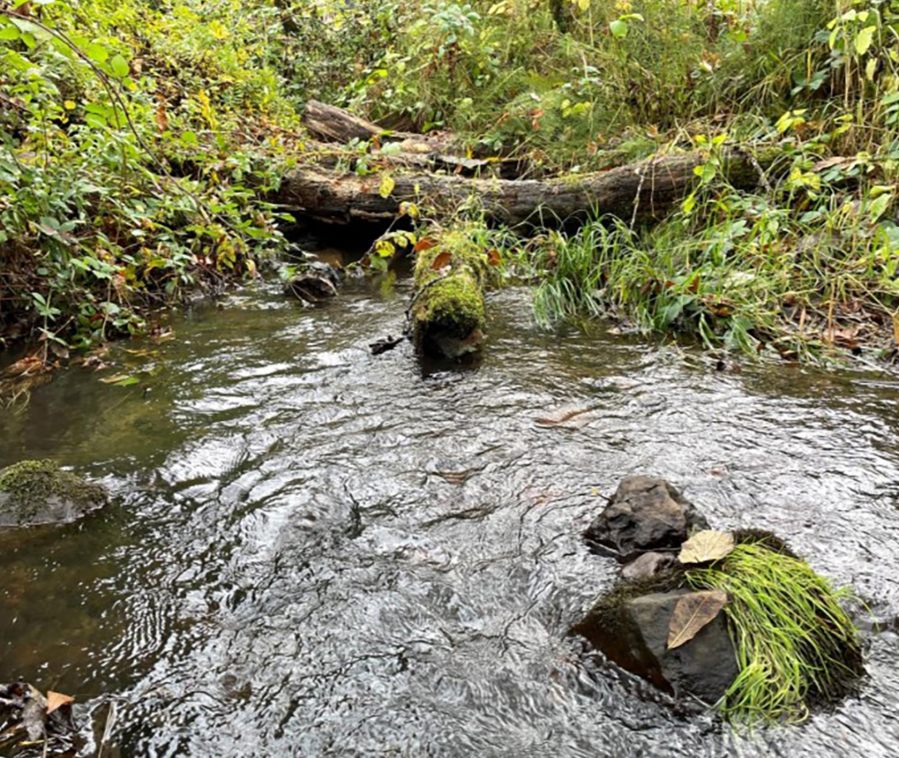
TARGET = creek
x,y
313,551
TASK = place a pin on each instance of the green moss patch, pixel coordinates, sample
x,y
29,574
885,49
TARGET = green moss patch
x,y
33,492
455,304
449,302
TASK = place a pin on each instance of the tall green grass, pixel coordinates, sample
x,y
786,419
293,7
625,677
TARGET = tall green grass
x,y
794,641
747,273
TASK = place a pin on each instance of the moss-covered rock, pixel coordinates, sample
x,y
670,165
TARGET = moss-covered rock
x,y
39,492
448,314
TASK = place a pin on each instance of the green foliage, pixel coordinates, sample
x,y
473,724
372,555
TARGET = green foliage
x,y
125,179
507,76
795,643
808,269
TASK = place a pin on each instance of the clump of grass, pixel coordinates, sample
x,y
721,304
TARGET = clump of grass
x,y
795,643
746,274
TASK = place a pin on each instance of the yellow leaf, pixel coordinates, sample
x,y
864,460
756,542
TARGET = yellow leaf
x,y
56,700
705,546
384,248
387,185
692,613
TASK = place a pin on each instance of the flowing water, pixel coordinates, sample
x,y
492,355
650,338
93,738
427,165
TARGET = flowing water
x,y
317,552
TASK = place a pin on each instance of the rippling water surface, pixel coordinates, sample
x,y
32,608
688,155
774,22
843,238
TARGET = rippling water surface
x,y
317,552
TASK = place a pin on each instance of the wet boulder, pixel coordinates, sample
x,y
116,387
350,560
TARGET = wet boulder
x,y
39,492
633,631
644,514
648,565
314,282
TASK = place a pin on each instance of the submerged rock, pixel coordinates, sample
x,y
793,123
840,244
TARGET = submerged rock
x,y
632,631
39,492
645,514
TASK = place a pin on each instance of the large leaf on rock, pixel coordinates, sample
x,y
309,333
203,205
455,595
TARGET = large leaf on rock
x,y
692,613
705,546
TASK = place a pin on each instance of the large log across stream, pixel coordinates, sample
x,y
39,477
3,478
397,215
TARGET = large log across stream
x,y
643,191
447,311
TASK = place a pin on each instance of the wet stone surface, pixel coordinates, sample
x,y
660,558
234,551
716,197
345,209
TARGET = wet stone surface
x,y
315,551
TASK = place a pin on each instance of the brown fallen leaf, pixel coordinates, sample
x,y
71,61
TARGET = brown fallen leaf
x,y
424,244
444,259
493,257
692,613
842,336
705,546
57,700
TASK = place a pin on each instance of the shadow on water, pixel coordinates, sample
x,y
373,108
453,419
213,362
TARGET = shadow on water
x,y
315,551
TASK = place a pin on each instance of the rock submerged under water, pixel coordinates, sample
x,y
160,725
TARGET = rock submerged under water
x,y
39,492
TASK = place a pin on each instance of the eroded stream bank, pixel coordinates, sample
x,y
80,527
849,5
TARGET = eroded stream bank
x,y
314,551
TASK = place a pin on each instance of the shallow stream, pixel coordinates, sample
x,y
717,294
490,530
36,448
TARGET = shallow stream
x,y
317,552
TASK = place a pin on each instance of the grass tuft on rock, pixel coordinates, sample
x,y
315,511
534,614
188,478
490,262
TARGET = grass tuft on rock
x,y
795,643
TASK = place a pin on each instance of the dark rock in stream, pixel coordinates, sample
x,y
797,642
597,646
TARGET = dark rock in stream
x,y
644,514
39,492
315,282
648,565
633,632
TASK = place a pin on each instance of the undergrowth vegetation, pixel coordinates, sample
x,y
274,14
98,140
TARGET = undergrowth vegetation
x,y
138,141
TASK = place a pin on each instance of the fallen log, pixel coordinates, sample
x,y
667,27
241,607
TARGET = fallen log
x,y
333,124
447,314
430,152
640,192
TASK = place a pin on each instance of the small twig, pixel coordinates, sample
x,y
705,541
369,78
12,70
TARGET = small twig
x,y
107,731
642,174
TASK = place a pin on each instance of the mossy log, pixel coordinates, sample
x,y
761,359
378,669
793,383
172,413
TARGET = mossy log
x,y
447,313
644,191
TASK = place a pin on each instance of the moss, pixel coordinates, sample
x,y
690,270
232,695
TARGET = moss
x,y
465,254
449,305
455,304
29,491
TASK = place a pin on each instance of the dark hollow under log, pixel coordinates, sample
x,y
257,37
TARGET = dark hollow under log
x,y
643,191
